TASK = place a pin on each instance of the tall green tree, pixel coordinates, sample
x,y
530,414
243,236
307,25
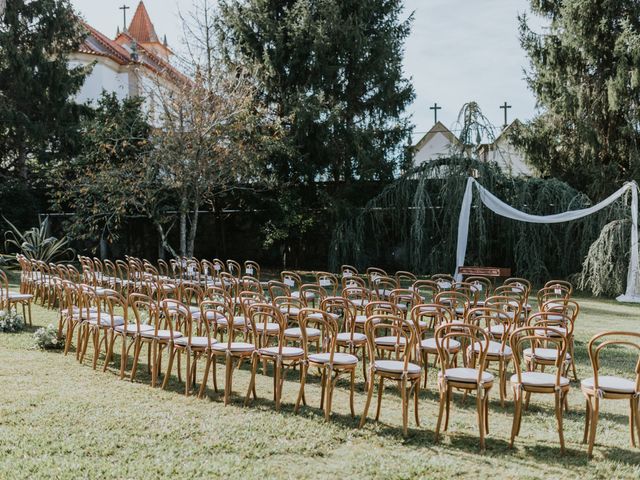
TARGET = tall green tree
x,y
333,69
38,117
585,73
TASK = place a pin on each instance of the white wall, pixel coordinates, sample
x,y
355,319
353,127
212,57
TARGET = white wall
x,y
509,158
438,146
102,77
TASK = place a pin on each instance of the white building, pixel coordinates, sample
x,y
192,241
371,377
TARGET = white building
x,y
441,142
135,63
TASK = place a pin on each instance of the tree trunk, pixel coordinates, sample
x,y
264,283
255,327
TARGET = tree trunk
x,y
183,227
194,229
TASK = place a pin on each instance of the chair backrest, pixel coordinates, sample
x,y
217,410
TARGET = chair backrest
x,y
328,281
234,268
289,306
405,279
354,281
344,308
373,273
613,339
467,335
487,317
568,307
145,310
359,296
382,308
511,305
425,312
458,301
557,293
311,288
114,303
426,289
348,271
291,279
177,318
481,286
328,326
540,336
263,314
405,296
252,269
445,281
278,289
249,283
562,285
381,286
558,321
391,326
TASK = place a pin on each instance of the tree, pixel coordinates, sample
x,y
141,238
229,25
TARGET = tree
x,y
585,73
102,184
333,69
38,117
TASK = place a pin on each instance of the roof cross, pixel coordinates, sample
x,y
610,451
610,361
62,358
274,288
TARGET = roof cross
x,y
435,109
124,9
505,107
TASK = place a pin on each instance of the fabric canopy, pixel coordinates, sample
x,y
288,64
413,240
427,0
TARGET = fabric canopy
x,y
496,205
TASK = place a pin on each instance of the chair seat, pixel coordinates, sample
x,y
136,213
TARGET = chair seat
x,y
430,344
198,342
132,328
106,320
497,330
296,332
396,366
234,347
161,334
390,341
539,379
307,295
318,316
495,349
360,302
19,297
237,321
554,328
209,315
192,309
286,351
339,358
270,327
466,375
382,292
611,384
550,354
346,337
362,319
290,310
427,309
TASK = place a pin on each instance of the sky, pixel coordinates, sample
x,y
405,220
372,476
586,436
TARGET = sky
x,y
458,51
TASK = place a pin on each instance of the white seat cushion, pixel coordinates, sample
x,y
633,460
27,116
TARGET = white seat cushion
x,y
199,342
209,314
539,379
270,327
234,347
497,330
346,337
161,335
318,316
362,319
553,328
307,295
395,366
549,354
466,375
611,384
430,344
286,351
391,340
19,297
290,310
132,329
106,320
297,332
339,358
237,321
495,348
360,302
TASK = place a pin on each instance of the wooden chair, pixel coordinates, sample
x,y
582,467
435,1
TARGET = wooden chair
x,y
331,363
466,378
195,341
329,282
405,279
527,382
399,368
381,287
13,299
609,387
282,356
444,281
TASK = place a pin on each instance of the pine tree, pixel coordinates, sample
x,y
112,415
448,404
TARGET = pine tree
x,y
585,73
333,68
38,118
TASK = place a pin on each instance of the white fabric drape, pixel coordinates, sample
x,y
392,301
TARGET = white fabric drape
x,y
496,205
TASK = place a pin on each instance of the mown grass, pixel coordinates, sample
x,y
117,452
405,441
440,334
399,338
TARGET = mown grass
x,y
60,419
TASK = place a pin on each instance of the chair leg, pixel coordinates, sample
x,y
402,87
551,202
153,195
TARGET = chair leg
x,y
303,379
425,365
277,373
167,375
187,382
480,408
443,400
370,386
351,394
228,374
123,357
323,387
330,384
416,397
380,391
558,403
447,409
516,416
405,406
254,368
137,346
637,417
594,423
203,384
632,421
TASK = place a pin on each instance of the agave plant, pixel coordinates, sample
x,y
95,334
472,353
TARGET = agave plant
x,y
35,244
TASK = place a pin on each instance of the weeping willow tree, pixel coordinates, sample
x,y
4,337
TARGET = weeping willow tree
x,y
413,224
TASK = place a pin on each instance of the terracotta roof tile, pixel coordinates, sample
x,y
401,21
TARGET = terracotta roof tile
x,y
141,27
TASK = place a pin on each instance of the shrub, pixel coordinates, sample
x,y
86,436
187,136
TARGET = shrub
x,y
47,338
11,321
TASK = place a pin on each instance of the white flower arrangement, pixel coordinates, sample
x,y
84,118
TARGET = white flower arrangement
x,y
11,321
47,338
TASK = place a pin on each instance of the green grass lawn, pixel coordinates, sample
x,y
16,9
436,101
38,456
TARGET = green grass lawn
x,y
60,419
